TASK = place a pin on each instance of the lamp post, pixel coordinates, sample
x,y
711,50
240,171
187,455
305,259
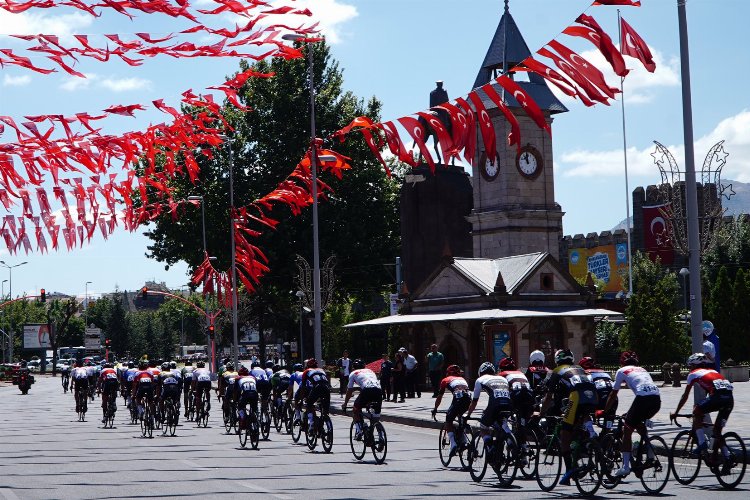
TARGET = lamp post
x,y
684,273
86,309
300,295
10,275
3,289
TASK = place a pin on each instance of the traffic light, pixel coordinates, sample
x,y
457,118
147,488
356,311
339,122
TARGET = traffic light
x,y
144,292
43,295
211,331
106,343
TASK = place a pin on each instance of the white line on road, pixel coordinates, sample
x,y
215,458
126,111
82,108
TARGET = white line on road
x,y
261,489
8,494
195,465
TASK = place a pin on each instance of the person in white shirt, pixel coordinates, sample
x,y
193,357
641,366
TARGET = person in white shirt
x,y
369,393
410,365
344,365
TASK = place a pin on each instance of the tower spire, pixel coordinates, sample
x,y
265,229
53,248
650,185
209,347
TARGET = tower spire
x,y
506,6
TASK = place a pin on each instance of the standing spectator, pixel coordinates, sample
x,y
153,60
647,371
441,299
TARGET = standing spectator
x,y
435,362
410,364
344,365
399,372
711,345
385,377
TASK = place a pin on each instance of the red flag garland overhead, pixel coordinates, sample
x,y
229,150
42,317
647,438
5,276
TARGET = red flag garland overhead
x,y
631,44
596,35
631,3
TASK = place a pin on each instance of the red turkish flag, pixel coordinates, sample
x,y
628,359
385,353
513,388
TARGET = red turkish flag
x,y
514,137
596,35
657,235
446,143
631,3
589,88
415,130
527,103
631,44
552,76
470,141
485,125
584,67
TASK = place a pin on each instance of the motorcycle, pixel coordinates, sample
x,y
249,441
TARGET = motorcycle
x,y
23,380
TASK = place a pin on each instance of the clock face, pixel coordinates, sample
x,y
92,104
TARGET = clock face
x,y
529,162
488,169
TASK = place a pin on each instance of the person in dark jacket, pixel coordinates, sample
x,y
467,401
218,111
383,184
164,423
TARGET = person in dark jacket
x,y
386,366
399,374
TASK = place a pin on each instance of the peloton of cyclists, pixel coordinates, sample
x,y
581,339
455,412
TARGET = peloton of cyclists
x,y
317,388
370,393
497,389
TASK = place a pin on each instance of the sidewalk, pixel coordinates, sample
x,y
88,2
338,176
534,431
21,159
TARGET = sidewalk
x,y
416,412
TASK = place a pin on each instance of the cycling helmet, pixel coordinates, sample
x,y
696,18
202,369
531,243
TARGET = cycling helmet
x,y
142,365
165,366
358,364
269,364
172,365
507,363
564,357
243,370
311,363
453,370
697,360
131,364
230,367
487,368
587,363
89,363
276,368
201,364
628,358
297,367
536,358
255,364
108,365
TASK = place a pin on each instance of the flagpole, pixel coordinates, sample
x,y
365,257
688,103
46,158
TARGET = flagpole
x,y
625,155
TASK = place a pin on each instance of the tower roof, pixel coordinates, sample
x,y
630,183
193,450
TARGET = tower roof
x,y
507,49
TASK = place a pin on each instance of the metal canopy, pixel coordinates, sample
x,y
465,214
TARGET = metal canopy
x,y
485,314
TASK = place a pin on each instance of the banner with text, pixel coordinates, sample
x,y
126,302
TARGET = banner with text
x,y
608,263
36,337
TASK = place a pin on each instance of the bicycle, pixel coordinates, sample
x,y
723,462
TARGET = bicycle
x,y
109,412
133,411
501,452
65,379
650,469
189,401
147,420
250,429
81,404
586,460
288,415
229,409
277,413
171,417
201,410
526,431
373,436
322,428
725,457
463,435
265,420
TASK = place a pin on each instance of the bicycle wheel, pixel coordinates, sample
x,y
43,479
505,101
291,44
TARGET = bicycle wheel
x,y
611,461
265,423
311,436
549,465
277,416
296,429
734,461
288,418
379,443
227,415
478,451
359,448
173,418
504,461
529,452
254,430
685,466
150,422
205,412
326,433
444,447
589,465
463,440
244,433
144,423
655,469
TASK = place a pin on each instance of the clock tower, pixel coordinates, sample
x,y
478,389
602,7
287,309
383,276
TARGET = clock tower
x,y
515,211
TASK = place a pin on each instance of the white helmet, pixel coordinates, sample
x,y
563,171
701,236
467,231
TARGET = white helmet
x,y
697,360
536,357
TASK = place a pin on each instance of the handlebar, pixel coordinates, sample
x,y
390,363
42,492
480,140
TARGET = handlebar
x,y
674,416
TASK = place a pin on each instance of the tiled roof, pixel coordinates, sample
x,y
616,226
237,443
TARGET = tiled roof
x,y
513,269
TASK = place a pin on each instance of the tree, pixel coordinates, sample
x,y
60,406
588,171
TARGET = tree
x,y
734,342
652,328
116,326
359,221
720,307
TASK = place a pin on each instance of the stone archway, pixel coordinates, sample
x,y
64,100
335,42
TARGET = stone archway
x,y
547,335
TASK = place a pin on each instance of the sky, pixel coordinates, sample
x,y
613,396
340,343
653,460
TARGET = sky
x,y
396,50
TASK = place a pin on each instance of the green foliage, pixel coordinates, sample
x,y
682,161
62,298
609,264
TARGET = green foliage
x,y
734,341
719,306
652,328
607,342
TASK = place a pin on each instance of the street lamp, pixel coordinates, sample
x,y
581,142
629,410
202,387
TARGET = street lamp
x,y
10,275
86,309
3,289
684,272
300,296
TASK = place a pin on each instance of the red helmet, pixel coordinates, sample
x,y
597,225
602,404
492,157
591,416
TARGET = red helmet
x,y
453,370
243,370
506,364
587,363
311,363
628,358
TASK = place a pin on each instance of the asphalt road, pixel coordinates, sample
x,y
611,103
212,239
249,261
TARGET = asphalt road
x,y
46,453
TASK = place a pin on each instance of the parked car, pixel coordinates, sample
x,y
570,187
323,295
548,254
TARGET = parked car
x,y
34,365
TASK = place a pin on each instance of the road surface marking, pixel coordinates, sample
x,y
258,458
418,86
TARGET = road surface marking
x,y
195,465
261,489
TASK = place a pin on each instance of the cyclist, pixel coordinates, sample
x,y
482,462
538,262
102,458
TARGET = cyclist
x,y
270,369
719,399
245,392
537,372
498,390
370,393
279,384
262,382
187,383
201,386
107,387
570,381
460,403
128,382
169,382
80,376
91,374
143,387
521,394
603,383
317,388
645,405
299,394
226,386
65,373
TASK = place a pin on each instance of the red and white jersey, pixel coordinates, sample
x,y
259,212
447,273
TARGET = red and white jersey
x,y
637,379
710,380
108,374
364,378
457,385
516,380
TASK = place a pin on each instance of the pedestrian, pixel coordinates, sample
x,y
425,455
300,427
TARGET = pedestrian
x,y
411,378
435,363
399,373
344,367
385,377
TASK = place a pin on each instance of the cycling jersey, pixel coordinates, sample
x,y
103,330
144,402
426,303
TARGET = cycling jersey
x,y
313,377
280,380
536,376
247,383
572,382
295,377
143,377
516,380
79,373
364,378
269,373
603,384
108,377
168,378
710,380
495,386
637,379
720,393
259,373
130,373
461,400
202,375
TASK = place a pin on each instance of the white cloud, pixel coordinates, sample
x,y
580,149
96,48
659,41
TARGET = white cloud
x,y
125,84
16,81
73,83
733,130
331,14
32,23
